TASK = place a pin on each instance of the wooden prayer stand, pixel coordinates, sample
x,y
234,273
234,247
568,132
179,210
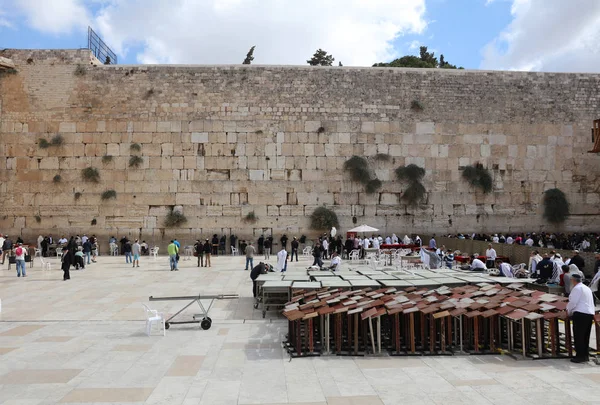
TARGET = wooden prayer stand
x,y
568,339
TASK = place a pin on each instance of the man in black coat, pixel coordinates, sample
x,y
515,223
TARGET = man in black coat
x,y
261,243
199,249
207,249
66,264
257,270
577,260
295,246
545,268
283,241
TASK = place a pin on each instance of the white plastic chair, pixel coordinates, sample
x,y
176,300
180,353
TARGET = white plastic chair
x,y
59,252
307,251
234,251
38,252
188,252
153,317
154,251
45,265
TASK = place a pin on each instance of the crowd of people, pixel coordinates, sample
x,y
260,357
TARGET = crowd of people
x,y
585,242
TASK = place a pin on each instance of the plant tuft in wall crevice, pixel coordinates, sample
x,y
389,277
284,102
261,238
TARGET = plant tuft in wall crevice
x,y
174,219
108,194
323,218
556,206
479,177
415,192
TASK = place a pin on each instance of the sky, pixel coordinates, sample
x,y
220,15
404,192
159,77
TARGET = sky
x,y
530,35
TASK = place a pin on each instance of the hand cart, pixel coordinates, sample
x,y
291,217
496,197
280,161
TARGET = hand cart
x,y
202,318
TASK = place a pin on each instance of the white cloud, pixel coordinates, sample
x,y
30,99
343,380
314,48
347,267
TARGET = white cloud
x,y
548,35
4,22
356,32
54,16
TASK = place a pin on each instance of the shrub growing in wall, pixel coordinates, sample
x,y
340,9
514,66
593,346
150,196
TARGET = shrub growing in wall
x,y
556,206
412,174
108,195
251,217
479,177
90,174
174,219
135,161
323,218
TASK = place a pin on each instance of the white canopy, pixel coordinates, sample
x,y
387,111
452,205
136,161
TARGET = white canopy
x,y
363,228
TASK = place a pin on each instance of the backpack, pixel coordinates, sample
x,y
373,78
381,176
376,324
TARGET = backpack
x,y
19,251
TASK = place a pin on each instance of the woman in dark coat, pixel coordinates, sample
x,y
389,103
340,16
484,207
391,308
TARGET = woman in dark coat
x,y
66,264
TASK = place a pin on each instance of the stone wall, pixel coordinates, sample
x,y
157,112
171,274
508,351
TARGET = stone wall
x,y
219,142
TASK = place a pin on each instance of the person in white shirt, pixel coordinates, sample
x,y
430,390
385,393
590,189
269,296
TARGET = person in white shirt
x,y
335,261
534,259
325,245
495,238
62,241
388,240
84,238
490,257
40,239
509,240
366,243
529,242
477,264
506,270
557,268
394,238
406,240
376,243
581,311
585,244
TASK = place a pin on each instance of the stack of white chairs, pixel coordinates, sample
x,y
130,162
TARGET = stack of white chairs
x,y
234,251
154,251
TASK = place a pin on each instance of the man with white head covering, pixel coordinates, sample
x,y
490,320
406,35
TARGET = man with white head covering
x,y
394,238
282,259
506,270
406,240
557,270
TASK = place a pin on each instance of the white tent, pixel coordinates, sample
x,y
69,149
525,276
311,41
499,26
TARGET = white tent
x,y
363,228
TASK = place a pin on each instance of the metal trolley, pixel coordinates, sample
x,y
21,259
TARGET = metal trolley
x,y
202,318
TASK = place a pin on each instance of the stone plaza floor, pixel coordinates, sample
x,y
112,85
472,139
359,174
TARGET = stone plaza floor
x,y
83,341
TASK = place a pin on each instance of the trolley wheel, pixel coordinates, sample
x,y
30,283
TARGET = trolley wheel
x,y
209,319
205,324
167,325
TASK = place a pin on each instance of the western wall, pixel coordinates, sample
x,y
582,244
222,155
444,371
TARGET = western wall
x,y
219,142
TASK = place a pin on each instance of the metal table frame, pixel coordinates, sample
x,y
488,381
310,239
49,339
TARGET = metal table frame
x,y
205,322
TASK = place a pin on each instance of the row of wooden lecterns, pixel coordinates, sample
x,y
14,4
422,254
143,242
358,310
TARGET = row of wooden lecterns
x,y
472,319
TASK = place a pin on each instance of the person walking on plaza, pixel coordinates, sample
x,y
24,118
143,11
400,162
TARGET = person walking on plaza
x,y
581,311
127,252
20,253
87,250
198,248
325,244
136,250
295,246
317,255
172,250
250,256
490,257
267,248
66,264
7,246
207,249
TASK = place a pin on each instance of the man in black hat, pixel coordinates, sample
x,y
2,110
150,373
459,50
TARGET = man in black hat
x,y
581,310
295,246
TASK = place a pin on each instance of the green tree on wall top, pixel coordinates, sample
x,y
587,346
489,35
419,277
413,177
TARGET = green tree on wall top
x,y
320,58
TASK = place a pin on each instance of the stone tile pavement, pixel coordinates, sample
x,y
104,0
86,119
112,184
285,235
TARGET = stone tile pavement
x,y
83,342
